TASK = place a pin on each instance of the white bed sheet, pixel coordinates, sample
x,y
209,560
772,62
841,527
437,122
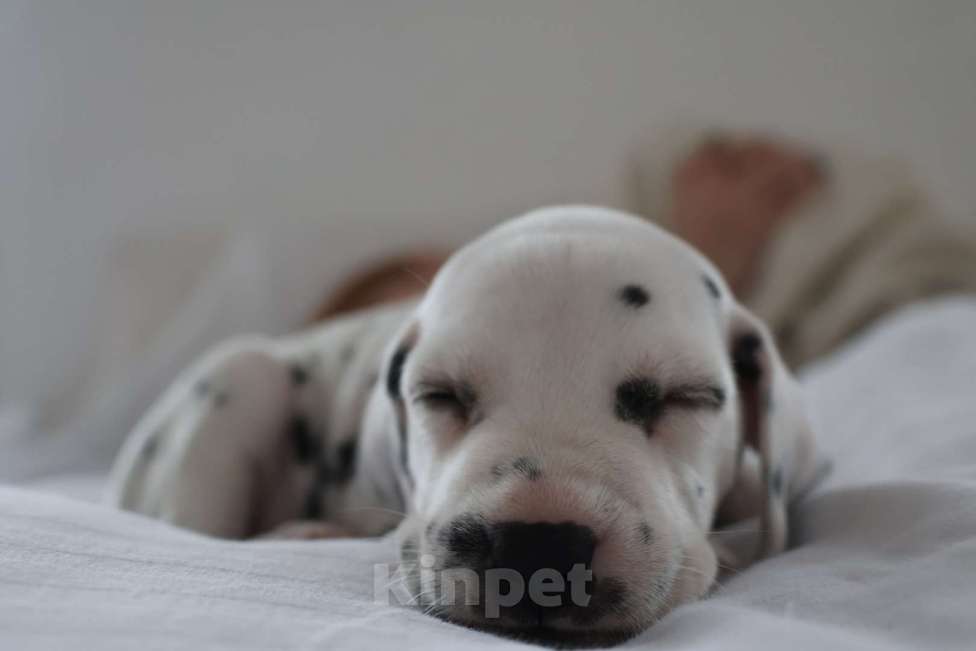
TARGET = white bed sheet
x,y
886,557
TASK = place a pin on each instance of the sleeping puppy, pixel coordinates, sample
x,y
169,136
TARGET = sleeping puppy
x,y
556,427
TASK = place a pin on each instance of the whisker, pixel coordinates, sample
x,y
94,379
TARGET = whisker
x,y
414,601
399,580
693,570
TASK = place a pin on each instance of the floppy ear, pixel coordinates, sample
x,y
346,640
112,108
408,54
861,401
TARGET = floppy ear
x,y
395,358
776,459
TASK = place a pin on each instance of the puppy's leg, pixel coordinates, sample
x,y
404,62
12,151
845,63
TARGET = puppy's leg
x,y
213,455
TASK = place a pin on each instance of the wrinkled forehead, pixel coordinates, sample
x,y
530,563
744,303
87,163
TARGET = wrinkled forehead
x,y
555,300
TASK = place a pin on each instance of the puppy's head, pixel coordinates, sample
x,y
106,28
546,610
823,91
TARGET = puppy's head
x,y
574,397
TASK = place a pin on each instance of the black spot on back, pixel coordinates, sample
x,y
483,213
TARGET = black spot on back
x,y
303,439
712,287
638,401
299,374
528,467
396,370
634,295
312,509
346,460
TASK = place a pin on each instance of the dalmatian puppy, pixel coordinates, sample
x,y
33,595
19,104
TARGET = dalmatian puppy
x,y
577,391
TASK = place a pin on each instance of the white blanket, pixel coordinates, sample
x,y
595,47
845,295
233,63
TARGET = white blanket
x,y
886,556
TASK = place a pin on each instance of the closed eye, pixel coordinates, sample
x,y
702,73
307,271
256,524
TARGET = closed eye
x,y
696,396
455,397
640,400
438,399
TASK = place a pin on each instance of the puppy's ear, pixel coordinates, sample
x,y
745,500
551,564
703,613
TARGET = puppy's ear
x,y
776,451
395,359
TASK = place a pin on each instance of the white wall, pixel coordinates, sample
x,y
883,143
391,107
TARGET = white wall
x,y
161,114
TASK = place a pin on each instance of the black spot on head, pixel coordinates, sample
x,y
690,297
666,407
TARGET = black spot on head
x,y
202,388
712,287
634,295
776,481
346,460
644,533
700,490
299,374
220,399
638,401
745,357
303,439
396,370
528,467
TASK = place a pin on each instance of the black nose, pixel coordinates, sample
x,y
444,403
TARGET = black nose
x,y
529,547
496,550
